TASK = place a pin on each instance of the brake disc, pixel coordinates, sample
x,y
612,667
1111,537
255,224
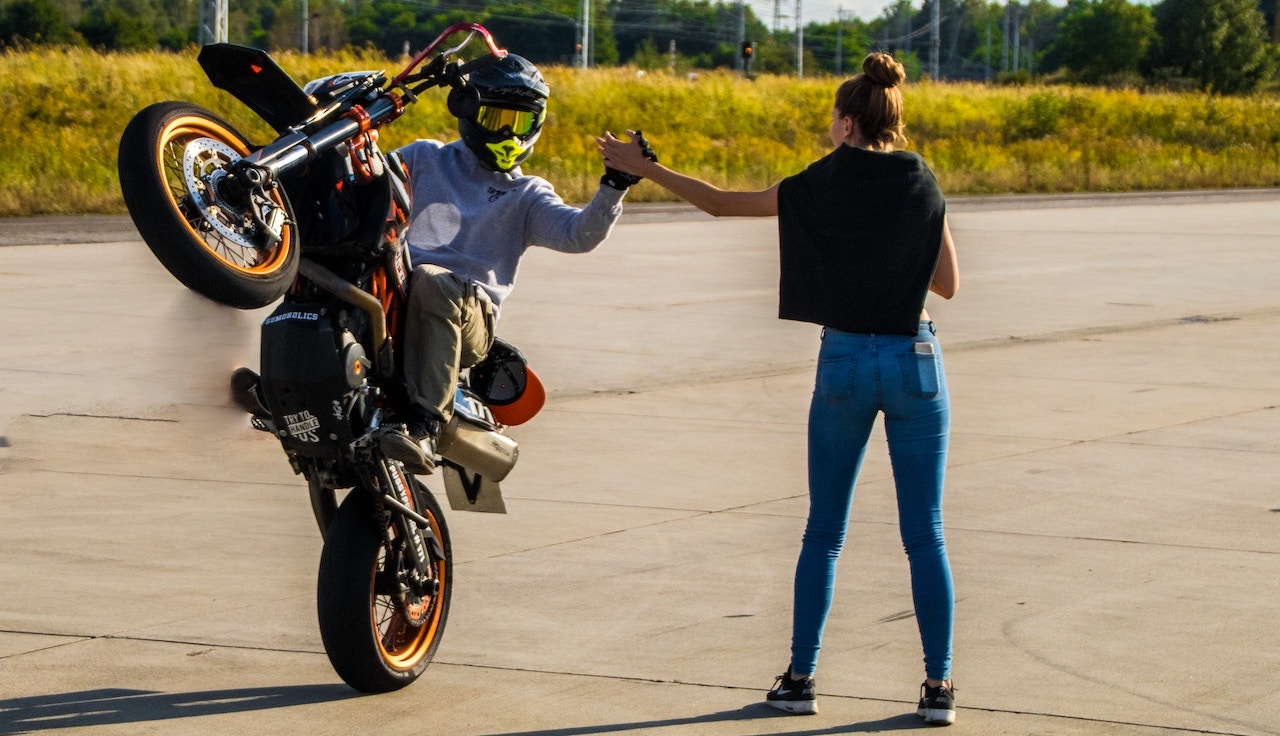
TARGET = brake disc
x,y
204,162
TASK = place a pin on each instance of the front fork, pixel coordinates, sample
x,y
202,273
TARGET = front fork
x,y
324,503
399,521
416,580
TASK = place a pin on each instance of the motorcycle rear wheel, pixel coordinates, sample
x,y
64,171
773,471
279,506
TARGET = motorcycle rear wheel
x,y
171,154
371,642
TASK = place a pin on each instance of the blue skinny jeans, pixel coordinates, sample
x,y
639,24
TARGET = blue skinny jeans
x,y
860,375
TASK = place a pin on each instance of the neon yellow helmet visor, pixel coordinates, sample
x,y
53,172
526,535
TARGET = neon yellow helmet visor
x,y
500,119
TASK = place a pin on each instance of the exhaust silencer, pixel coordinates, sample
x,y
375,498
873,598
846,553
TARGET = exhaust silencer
x,y
478,448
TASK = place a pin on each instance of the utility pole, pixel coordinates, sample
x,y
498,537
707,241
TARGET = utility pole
x,y
213,22
306,28
738,61
1031,39
904,24
986,72
1017,42
1004,39
935,37
839,37
586,33
799,41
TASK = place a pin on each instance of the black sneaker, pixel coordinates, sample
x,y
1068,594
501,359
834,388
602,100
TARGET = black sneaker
x,y
415,446
793,696
937,704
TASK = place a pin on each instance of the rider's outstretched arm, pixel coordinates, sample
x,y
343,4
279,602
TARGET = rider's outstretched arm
x,y
556,225
629,157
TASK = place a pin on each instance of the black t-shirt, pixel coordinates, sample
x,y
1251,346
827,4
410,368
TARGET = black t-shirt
x,y
859,236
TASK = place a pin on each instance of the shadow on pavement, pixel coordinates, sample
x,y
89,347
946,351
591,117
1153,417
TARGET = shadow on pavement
x,y
746,713
117,705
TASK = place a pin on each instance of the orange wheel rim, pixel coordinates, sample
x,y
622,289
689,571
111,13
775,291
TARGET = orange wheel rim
x,y
402,644
191,150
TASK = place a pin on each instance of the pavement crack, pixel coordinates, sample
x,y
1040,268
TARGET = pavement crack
x,y
1108,540
83,638
71,639
105,416
1188,321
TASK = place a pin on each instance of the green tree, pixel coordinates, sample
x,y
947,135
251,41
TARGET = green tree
x,y
704,32
550,32
129,25
178,20
965,24
1104,38
1220,44
820,40
981,49
386,24
33,21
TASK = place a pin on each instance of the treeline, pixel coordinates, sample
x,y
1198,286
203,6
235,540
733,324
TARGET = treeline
x,y
1225,46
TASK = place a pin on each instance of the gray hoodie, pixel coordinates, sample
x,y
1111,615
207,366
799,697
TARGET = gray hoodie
x,y
477,223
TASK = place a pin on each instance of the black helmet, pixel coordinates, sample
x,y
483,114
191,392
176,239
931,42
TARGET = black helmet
x,y
508,119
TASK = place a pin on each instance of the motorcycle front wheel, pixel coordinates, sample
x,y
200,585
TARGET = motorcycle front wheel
x,y
376,643
172,158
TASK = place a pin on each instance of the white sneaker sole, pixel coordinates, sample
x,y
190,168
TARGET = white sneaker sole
x,y
796,707
937,716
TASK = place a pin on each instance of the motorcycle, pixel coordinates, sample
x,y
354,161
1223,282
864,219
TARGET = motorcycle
x,y
319,217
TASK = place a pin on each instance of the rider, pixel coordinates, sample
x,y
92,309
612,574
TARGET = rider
x,y
474,214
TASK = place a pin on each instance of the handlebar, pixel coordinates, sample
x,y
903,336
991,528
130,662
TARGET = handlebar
x,y
297,148
495,52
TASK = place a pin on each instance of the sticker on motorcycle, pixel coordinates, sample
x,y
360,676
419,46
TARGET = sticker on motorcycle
x,y
303,426
304,316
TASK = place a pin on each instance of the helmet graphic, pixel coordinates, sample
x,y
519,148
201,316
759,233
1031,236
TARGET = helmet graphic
x,y
508,119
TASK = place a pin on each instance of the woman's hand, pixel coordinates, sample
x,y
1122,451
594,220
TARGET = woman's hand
x,y
634,157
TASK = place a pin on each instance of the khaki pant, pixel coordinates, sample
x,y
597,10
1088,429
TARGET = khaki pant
x,y
449,326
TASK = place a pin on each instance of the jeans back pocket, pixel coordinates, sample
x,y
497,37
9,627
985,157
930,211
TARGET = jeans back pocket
x,y
836,377
921,372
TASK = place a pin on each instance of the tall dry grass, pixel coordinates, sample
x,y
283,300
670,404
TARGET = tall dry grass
x,y
65,110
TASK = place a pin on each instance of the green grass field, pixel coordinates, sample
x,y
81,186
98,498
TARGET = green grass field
x,y
65,110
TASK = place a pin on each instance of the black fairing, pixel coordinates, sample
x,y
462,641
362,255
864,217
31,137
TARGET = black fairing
x,y
304,380
257,81
344,221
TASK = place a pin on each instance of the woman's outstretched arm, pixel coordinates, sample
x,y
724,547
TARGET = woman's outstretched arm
x,y
628,157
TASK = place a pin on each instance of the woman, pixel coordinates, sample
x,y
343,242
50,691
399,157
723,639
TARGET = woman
x,y
863,238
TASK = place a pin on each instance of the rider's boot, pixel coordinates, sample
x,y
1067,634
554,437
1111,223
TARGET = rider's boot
x,y
246,388
416,445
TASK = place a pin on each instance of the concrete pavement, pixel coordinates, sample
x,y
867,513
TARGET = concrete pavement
x,y
1113,507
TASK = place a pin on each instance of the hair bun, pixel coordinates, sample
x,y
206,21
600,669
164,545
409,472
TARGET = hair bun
x,y
884,70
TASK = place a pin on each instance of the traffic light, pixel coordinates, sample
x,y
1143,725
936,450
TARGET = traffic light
x,y
748,50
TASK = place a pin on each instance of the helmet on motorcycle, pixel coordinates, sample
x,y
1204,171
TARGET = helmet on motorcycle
x,y
508,120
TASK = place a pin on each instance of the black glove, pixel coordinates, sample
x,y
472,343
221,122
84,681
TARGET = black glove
x,y
621,180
